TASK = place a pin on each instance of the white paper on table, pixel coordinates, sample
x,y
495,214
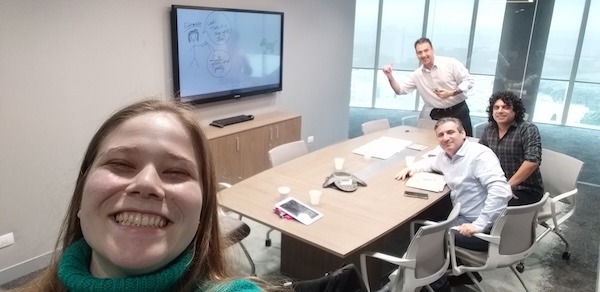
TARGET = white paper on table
x,y
418,147
427,181
383,147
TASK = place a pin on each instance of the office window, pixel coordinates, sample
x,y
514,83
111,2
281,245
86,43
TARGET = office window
x,y
584,108
589,62
361,88
484,57
448,27
479,96
585,105
562,39
363,62
401,26
365,33
486,40
550,102
558,62
387,98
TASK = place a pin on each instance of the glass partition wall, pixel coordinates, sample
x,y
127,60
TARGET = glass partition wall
x,y
546,50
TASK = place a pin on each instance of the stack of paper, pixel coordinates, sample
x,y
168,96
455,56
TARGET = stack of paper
x,y
383,147
432,182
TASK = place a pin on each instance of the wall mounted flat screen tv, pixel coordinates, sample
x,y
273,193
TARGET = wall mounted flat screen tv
x,y
221,53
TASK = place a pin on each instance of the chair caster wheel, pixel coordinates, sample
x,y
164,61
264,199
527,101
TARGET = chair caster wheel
x,y
520,267
566,255
268,242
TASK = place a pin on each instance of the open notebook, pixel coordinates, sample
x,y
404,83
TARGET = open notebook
x,y
383,147
428,181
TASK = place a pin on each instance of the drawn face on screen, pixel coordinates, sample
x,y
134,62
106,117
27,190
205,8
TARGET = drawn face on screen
x,y
193,36
218,27
219,63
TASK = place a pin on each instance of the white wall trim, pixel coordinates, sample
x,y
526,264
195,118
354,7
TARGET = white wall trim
x,y
23,268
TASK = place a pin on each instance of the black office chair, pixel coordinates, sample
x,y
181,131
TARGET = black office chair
x,y
346,279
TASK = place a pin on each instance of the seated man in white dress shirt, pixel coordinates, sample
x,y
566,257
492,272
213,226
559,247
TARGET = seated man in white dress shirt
x,y
475,178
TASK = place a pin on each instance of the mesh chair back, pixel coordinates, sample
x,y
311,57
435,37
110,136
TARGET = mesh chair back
x,y
428,124
286,152
517,228
559,172
374,126
428,247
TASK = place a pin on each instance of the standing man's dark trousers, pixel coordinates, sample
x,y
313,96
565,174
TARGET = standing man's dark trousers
x,y
459,111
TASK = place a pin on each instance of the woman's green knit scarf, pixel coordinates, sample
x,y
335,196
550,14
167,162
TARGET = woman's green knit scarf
x,y
73,271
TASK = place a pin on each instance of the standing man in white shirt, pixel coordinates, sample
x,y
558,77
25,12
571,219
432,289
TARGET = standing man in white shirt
x,y
442,83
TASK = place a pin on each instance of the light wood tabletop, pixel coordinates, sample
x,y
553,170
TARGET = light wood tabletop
x,y
351,220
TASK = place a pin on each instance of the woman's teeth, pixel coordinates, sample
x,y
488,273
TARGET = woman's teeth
x,y
139,219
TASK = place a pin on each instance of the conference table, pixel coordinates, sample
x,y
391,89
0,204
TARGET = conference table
x,y
352,222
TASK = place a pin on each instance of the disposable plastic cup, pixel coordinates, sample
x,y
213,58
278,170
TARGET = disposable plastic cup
x,y
283,192
315,196
339,163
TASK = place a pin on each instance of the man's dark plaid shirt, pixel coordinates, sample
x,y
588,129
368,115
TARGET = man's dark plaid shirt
x,y
521,142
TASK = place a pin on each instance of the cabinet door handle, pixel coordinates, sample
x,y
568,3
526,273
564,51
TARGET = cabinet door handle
x,y
271,133
237,143
277,131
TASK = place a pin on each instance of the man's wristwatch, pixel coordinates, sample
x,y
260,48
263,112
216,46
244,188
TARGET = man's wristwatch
x,y
457,92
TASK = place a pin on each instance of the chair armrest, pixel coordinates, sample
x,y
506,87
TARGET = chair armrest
x,y
489,238
456,267
420,222
423,222
222,210
563,196
388,258
225,185
483,236
555,220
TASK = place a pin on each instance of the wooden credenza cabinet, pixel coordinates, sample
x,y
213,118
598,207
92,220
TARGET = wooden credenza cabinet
x,y
241,150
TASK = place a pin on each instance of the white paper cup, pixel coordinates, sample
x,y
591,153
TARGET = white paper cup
x,y
339,163
315,196
283,192
410,160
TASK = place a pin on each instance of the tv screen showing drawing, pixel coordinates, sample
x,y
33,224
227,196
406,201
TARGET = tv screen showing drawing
x,y
225,53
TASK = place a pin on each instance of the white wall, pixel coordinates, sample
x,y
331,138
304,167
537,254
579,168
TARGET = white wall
x,y
65,65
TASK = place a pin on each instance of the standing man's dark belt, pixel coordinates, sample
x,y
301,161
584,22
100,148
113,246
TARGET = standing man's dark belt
x,y
459,111
449,109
